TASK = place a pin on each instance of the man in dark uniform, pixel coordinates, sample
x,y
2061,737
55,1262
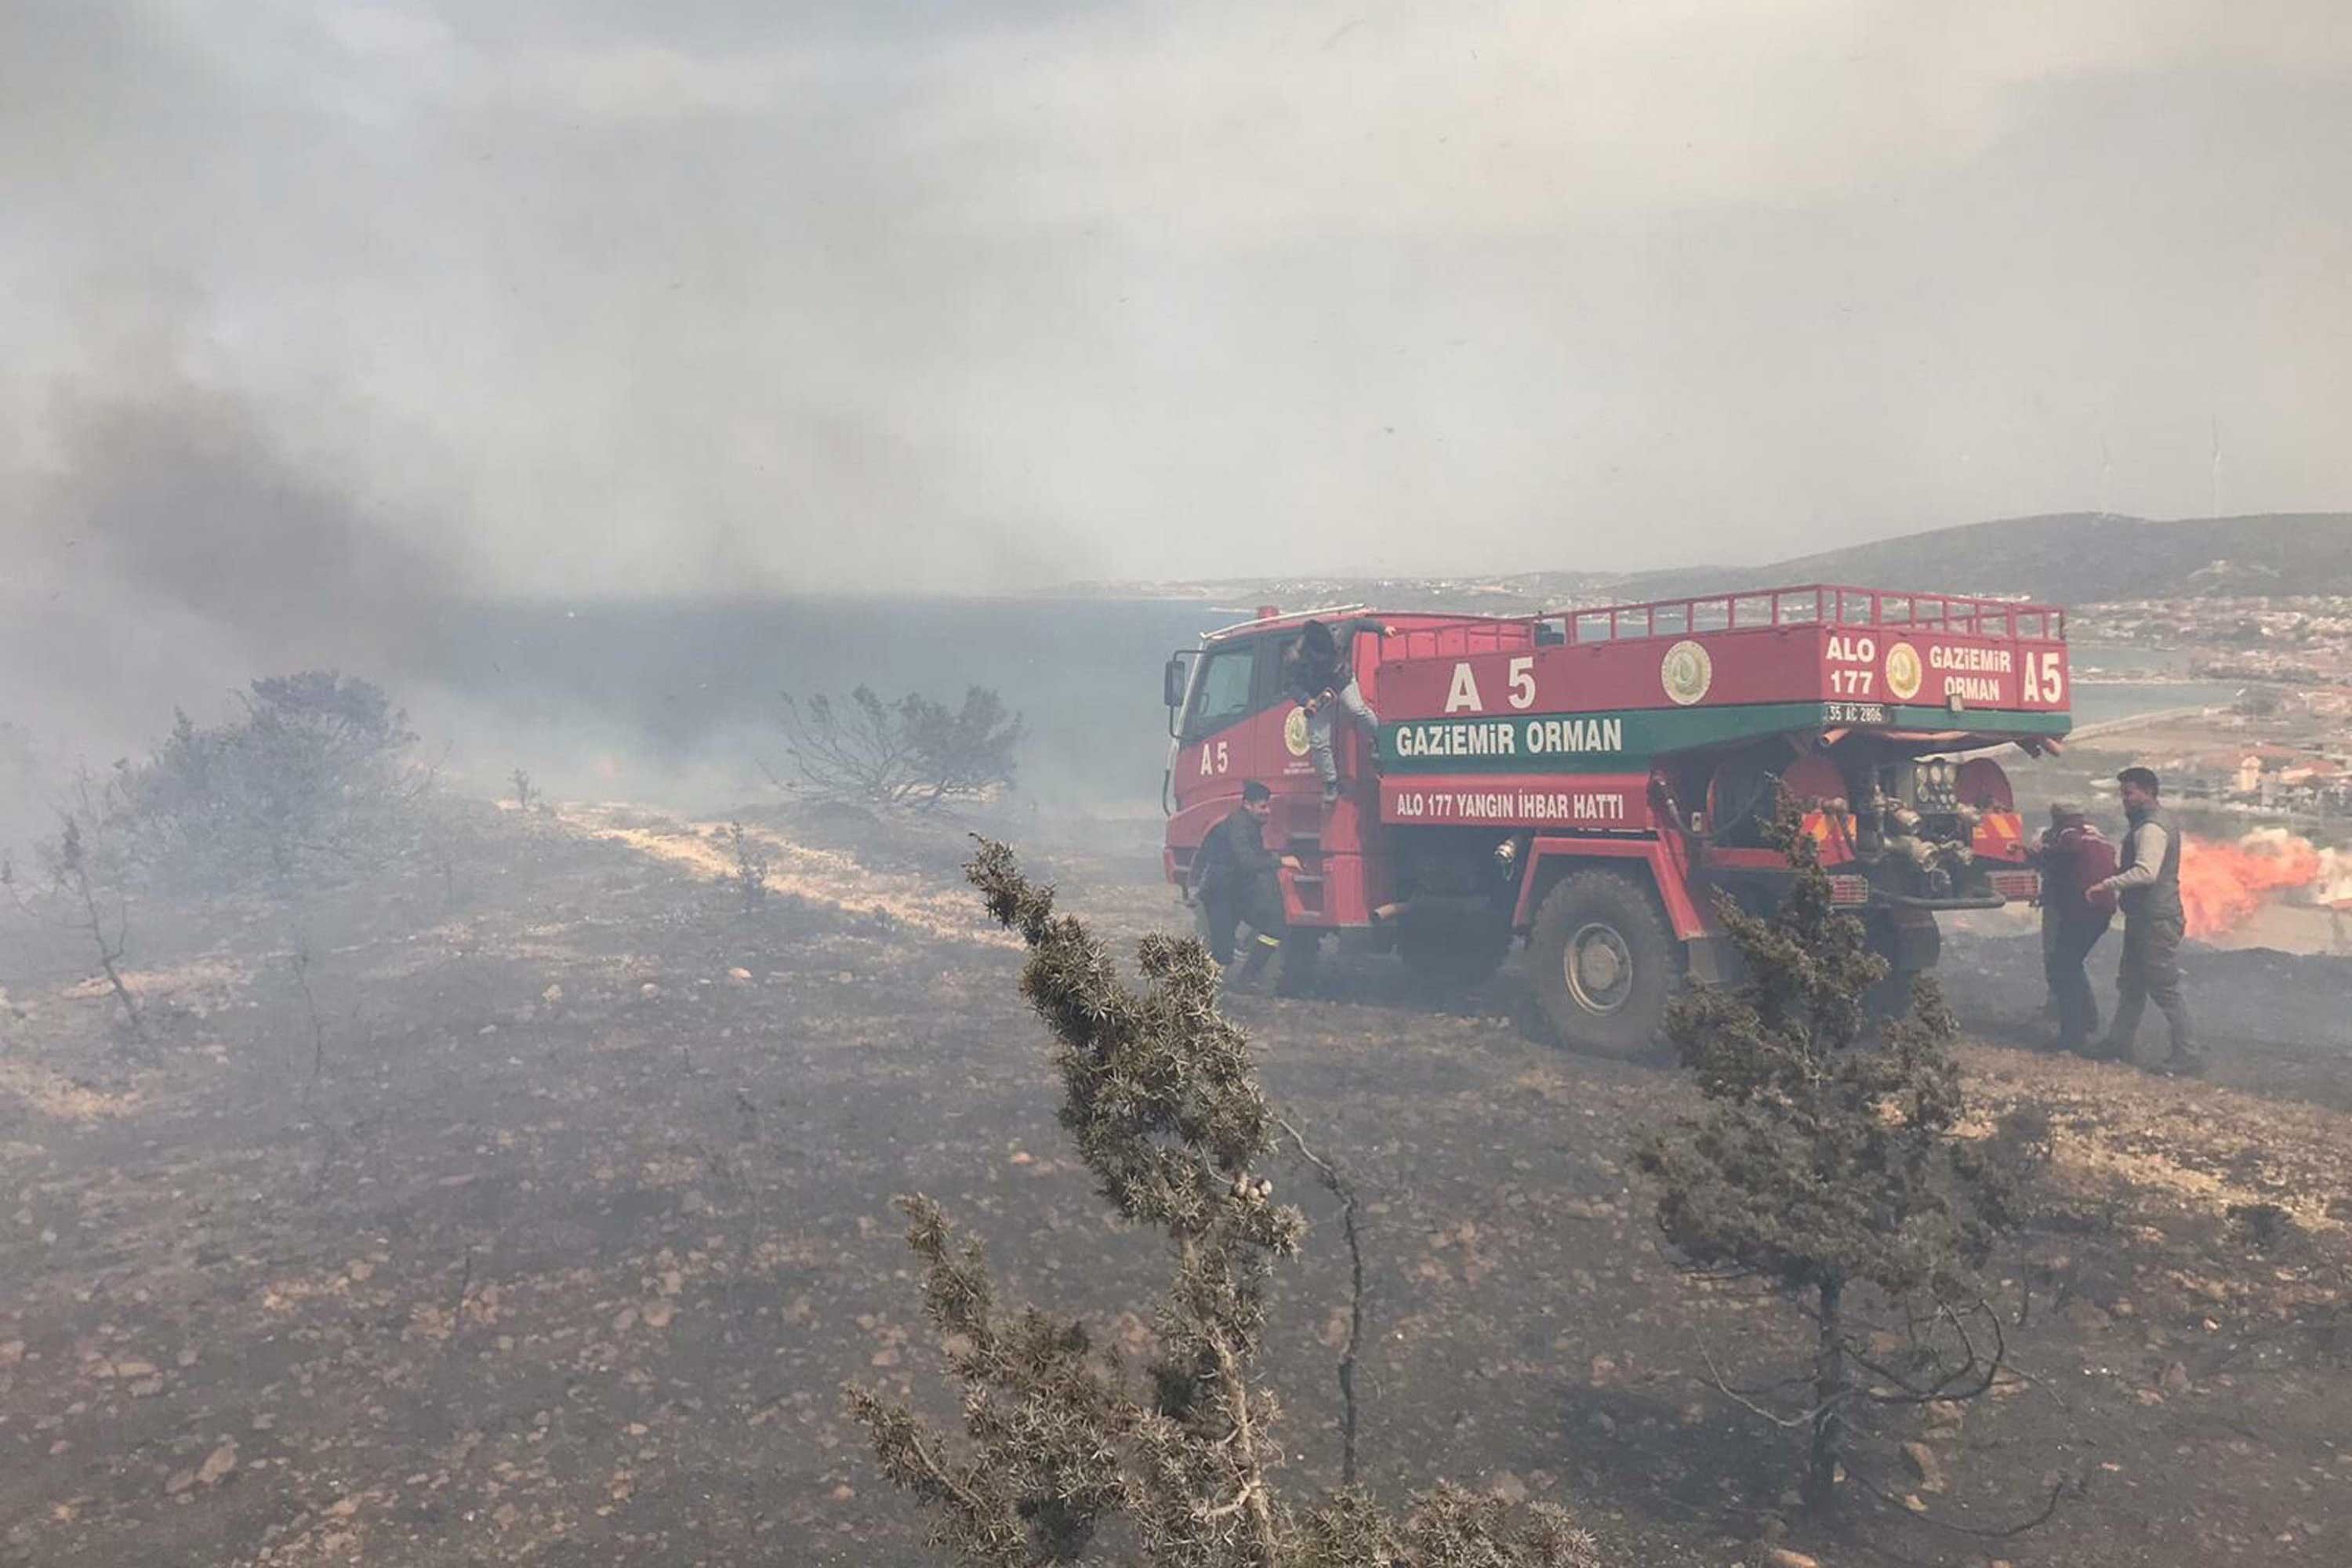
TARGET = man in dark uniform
x,y
2073,857
1234,881
2148,887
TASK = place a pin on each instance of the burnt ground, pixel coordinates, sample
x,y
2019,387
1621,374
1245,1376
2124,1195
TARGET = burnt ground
x,y
555,1237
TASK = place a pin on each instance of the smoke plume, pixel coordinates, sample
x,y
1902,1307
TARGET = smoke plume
x,y
172,545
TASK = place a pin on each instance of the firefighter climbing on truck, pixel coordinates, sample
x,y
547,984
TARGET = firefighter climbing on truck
x,y
1319,679
1589,781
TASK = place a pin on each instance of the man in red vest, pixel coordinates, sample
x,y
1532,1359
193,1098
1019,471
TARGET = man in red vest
x,y
2074,856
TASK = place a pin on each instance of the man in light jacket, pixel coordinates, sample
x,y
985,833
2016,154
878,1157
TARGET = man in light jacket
x,y
2148,887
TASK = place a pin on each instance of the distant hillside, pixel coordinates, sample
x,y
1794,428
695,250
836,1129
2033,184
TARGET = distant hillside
x,y
2069,558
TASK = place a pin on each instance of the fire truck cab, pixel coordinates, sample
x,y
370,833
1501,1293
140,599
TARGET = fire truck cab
x,y
1588,780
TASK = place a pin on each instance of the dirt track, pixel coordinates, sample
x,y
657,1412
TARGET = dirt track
x,y
566,1250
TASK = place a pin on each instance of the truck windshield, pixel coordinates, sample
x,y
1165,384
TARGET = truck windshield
x,y
1221,693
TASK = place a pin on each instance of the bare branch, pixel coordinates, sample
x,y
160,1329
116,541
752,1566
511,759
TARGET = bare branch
x,y
2008,1532
1340,1188
1946,1389
1786,1423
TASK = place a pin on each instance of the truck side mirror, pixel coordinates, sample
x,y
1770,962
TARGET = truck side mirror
x,y
1171,682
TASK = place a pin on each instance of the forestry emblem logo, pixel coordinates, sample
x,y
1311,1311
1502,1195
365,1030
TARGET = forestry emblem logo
x,y
1903,671
1294,731
1686,672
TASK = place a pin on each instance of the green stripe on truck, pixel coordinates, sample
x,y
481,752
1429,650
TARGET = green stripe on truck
x,y
1603,742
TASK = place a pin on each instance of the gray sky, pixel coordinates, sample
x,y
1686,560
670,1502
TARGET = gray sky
x,y
604,298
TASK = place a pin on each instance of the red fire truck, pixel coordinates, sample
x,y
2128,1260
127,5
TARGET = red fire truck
x,y
1588,780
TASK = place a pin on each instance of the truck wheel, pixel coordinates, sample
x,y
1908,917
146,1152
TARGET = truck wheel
x,y
1302,949
1604,963
1450,956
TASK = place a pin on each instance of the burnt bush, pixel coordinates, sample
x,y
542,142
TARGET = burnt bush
x,y
313,781
909,752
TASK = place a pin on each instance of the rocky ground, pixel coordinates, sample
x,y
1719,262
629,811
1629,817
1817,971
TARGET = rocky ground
x,y
543,1215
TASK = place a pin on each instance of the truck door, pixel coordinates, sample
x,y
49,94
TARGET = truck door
x,y
1216,747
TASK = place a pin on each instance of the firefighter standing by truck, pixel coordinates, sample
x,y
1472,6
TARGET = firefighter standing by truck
x,y
2148,887
2073,857
1235,881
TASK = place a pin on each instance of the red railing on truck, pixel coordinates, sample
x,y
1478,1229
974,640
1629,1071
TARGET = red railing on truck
x,y
1886,659
1811,604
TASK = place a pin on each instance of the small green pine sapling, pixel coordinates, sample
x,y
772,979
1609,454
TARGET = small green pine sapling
x,y
1830,1165
1066,1455
749,877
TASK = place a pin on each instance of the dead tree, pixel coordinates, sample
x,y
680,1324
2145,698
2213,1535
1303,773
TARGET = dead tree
x,y
962,752
1067,1457
1827,1165
85,876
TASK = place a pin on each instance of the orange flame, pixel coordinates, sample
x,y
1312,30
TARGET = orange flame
x,y
2221,885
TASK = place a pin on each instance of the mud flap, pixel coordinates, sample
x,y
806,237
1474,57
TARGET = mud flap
x,y
1909,940
1713,961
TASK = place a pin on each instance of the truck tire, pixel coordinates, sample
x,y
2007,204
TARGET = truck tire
x,y
1603,963
1450,957
1302,952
